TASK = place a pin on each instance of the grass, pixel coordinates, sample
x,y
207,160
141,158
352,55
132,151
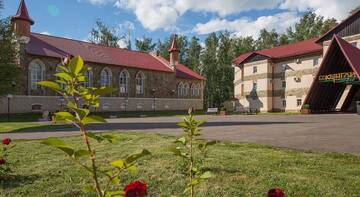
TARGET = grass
x,y
33,117
240,169
7,127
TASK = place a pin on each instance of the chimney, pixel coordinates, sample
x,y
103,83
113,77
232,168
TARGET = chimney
x,y
21,21
174,52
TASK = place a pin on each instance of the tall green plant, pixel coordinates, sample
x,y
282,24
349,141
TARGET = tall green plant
x,y
189,148
80,100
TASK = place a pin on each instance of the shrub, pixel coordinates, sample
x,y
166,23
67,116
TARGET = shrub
x,y
80,99
5,165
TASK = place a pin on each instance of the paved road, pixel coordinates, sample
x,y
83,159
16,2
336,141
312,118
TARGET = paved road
x,y
329,132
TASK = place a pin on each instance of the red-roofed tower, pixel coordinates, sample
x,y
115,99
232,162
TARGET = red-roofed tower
x,y
22,21
174,52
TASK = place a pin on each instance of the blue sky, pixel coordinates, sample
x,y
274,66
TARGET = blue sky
x,y
160,18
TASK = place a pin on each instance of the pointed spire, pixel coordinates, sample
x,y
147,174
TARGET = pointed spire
x,y
22,13
174,46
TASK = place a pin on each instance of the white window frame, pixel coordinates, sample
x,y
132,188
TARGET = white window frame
x,y
195,90
124,78
36,75
106,77
140,83
186,88
179,89
88,79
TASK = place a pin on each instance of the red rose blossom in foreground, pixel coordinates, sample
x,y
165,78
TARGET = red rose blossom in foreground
x,y
6,141
277,192
135,189
2,161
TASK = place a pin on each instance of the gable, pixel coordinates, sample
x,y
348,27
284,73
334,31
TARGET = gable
x,y
349,27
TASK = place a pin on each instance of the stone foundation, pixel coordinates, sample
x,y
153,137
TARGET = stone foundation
x,y
27,104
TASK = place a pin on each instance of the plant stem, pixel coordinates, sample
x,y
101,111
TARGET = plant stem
x,y
92,158
191,167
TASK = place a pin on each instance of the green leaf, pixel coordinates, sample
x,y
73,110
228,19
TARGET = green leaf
x,y
95,137
104,91
136,156
132,168
59,144
116,180
80,111
207,175
88,189
76,64
110,138
114,193
59,116
64,76
119,164
177,151
93,119
81,153
182,124
181,140
50,84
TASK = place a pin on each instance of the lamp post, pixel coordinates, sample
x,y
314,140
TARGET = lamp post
x,y
9,96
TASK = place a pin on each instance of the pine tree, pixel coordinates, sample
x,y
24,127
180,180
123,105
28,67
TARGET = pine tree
x,y
144,44
104,35
9,70
209,70
267,39
310,25
193,54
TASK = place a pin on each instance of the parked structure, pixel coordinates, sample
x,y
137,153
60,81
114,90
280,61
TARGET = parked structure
x,y
285,78
144,82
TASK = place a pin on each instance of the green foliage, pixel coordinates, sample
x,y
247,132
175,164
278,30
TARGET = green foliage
x,y
186,149
306,106
69,85
193,54
267,39
104,35
163,47
9,69
310,25
145,44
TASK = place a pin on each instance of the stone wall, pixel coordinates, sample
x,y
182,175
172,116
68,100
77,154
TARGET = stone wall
x,y
27,104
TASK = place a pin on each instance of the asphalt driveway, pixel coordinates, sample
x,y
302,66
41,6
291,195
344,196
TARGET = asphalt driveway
x,y
328,132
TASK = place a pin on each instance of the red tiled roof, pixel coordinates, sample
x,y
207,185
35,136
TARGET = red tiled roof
x,y
22,13
284,51
351,53
57,47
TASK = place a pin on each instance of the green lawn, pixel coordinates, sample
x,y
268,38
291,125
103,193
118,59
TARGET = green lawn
x,y
6,127
241,170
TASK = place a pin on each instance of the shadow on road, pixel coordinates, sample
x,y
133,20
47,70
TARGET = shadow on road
x,y
155,125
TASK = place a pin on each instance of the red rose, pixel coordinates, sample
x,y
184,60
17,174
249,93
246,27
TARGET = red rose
x,y
2,161
6,141
277,192
135,189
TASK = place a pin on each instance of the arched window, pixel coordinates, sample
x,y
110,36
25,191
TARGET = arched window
x,y
186,88
124,81
179,89
140,83
106,77
36,69
88,78
195,89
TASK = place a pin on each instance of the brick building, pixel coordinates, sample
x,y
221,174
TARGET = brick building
x,y
144,81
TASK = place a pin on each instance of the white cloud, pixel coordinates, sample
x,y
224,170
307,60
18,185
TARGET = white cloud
x,y
246,27
156,14
164,14
338,9
45,33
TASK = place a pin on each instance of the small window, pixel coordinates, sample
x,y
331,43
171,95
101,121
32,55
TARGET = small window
x,y
354,44
36,107
298,102
254,86
284,103
140,83
255,69
284,67
284,84
315,61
